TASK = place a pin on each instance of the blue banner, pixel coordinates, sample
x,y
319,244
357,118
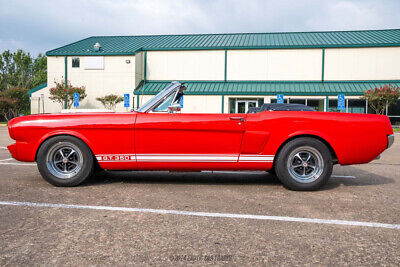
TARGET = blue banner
x,y
76,99
279,99
126,100
341,103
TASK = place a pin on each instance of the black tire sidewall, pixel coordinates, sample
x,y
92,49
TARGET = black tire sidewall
x,y
81,176
283,173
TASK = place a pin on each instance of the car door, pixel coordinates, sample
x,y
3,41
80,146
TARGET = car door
x,y
188,141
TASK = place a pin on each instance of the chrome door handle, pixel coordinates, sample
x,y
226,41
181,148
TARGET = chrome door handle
x,y
236,118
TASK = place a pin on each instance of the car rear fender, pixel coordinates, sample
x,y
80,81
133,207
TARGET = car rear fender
x,y
313,134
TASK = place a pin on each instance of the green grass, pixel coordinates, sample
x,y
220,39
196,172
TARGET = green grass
x,y
396,130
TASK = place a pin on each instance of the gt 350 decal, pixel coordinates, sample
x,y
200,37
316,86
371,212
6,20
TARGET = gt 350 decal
x,y
116,157
184,158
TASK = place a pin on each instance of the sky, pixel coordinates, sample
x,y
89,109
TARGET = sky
x,y
39,26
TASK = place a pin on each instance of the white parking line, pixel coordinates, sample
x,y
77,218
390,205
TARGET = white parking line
x,y
3,147
205,214
6,159
344,176
15,163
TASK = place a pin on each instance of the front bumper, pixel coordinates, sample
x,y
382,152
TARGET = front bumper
x,y
22,151
13,150
390,140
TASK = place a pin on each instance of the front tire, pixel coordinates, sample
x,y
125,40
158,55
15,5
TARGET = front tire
x,y
304,164
65,161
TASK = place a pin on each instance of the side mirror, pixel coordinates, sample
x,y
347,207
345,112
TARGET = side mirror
x,y
174,108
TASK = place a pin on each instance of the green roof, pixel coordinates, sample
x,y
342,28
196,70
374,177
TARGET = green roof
x,y
37,88
124,45
304,88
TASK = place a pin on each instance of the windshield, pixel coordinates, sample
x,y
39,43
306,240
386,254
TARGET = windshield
x,y
163,106
161,101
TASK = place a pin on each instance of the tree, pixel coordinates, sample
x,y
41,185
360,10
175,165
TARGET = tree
x,y
378,98
21,69
65,92
110,101
39,71
18,71
14,102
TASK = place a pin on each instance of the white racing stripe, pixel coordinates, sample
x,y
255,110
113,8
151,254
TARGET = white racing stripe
x,y
256,158
206,214
184,158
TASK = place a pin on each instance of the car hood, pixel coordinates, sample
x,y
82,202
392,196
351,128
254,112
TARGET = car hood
x,y
62,120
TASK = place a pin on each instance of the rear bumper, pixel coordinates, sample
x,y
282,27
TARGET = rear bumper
x,y
390,140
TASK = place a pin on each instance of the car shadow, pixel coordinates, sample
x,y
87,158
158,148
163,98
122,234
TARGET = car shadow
x,y
165,177
363,178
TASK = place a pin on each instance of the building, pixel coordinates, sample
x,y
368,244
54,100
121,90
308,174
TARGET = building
x,y
229,72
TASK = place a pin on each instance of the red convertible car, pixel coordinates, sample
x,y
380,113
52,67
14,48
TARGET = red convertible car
x,y
300,147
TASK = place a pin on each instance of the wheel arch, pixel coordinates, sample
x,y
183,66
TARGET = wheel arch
x,y
323,140
63,133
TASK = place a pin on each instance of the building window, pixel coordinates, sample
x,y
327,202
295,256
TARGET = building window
x,y
333,106
394,113
75,62
298,101
93,63
242,105
317,104
356,106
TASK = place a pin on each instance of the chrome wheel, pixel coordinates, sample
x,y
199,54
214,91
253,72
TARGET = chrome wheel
x,y
64,160
305,164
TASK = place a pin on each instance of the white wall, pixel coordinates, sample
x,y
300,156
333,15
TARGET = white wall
x,y
274,64
55,70
202,104
294,64
362,63
247,64
55,73
195,103
139,68
117,77
185,65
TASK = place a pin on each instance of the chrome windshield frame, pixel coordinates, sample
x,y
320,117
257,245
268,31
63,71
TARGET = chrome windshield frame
x,y
161,96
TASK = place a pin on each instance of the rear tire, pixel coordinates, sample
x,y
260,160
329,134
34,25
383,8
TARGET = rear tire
x,y
65,161
304,164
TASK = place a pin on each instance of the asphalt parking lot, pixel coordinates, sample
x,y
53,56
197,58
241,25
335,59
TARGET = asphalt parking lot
x,y
129,218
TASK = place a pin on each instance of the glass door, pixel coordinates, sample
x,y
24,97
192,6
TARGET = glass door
x,y
242,106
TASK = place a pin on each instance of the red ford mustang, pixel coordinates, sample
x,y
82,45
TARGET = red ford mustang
x,y
299,146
